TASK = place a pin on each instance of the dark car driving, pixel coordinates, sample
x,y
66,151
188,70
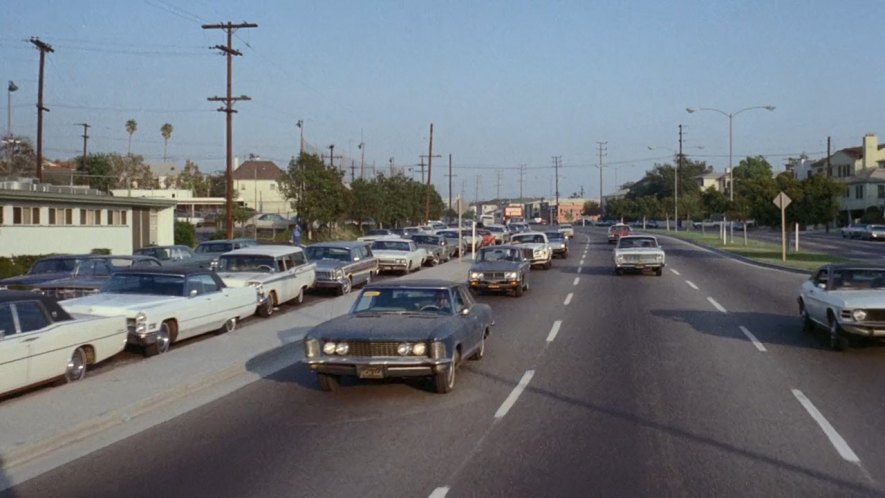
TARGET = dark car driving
x,y
503,268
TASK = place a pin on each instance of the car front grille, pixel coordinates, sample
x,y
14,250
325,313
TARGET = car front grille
x,y
325,274
872,315
495,275
640,258
372,348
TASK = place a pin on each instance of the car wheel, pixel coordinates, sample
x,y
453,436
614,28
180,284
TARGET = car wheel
x,y
228,326
517,292
299,298
659,271
76,367
619,271
444,382
807,324
434,261
328,382
368,279
480,353
549,264
345,286
837,339
267,308
164,340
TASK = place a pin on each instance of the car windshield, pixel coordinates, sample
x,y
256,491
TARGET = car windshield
x,y
246,262
499,254
145,283
555,236
390,245
403,300
637,242
377,231
528,238
54,265
448,234
426,239
214,247
332,253
858,279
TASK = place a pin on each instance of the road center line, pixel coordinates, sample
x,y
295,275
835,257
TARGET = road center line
x,y
439,492
581,263
554,330
716,305
675,272
580,268
835,439
514,395
756,342
577,279
568,298
691,284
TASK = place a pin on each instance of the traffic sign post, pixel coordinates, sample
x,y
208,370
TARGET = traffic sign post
x,y
782,201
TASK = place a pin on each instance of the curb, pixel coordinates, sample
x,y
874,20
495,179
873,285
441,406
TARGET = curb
x,y
267,363
744,259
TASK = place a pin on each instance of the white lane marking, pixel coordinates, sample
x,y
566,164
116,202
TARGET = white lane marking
x,y
568,298
439,492
756,342
514,395
691,284
554,330
716,305
580,268
835,439
577,279
581,263
675,272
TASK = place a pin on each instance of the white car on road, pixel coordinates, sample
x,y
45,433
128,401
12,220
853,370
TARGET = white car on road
x,y
280,273
398,255
542,253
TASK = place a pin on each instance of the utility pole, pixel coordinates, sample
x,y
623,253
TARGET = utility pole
x,y
421,163
476,195
352,170
429,171
85,138
300,125
556,163
601,146
331,157
676,184
43,47
228,109
391,166
450,181
521,175
497,185
829,153
362,148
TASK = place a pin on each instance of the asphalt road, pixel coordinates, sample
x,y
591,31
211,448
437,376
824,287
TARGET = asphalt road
x,y
696,383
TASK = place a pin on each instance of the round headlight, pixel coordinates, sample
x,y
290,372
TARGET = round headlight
x,y
419,349
329,348
475,274
859,315
339,273
511,275
403,348
341,348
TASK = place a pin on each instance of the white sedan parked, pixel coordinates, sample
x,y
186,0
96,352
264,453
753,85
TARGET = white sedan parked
x,y
163,305
398,255
40,341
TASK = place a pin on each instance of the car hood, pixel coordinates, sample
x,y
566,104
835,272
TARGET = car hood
x,y
531,245
496,266
639,250
328,264
33,279
385,327
864,299
109,304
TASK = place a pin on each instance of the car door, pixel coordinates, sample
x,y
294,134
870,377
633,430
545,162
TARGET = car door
x,y
303,273
13,351
205,309
472,323
816,297
46,352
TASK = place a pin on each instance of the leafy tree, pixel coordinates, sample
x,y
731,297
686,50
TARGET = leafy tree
x,y
591,208
131,126
316,191
819,203
131,172
364,194
192,179
24,159
185,234
755,186
166,131
649,207
99,171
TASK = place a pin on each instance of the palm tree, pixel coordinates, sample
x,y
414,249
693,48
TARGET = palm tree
x,y
131,126
166,131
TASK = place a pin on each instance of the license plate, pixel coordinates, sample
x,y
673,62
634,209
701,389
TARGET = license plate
x,y
494,286
370,372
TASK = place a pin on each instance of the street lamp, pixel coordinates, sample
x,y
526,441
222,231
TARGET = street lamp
x,y
675,181
10,142
300,125
730,116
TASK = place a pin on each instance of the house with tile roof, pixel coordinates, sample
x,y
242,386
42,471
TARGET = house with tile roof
x,y
255,182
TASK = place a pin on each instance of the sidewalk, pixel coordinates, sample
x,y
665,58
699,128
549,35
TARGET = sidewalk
x,y
55,425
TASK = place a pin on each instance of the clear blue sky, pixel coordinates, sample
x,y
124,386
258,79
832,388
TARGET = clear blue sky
x,y
504,82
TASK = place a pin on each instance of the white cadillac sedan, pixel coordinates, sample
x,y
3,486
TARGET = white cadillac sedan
x,y
163,305
40,341
846,300
398,255
542,252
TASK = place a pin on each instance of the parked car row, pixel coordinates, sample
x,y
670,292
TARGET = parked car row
x,y
863,231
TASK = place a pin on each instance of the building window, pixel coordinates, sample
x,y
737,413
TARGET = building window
x,y
61,216
881,191
123,217
25,216
881,164
90,216
858,191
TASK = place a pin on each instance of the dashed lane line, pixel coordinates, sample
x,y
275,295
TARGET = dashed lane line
x,y
756,342
577,279
835,439
440,492
691,284
568,298
554,330
514,395
716,305
675,272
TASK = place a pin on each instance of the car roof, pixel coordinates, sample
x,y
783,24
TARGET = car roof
x,y
533,232
416,284
166,270
395,240
860,266
266,250
57,312
342,243
628,237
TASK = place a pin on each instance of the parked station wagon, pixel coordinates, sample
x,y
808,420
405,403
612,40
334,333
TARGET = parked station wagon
x,y
342,265
280,273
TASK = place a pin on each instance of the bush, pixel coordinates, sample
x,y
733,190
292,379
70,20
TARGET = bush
x,y
185,234
101,250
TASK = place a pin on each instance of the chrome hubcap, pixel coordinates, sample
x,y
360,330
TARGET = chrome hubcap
x,y
76,366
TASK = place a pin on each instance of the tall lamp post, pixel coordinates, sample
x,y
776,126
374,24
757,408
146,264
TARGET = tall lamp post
x,y
10,143
730,116
675,180
300,125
